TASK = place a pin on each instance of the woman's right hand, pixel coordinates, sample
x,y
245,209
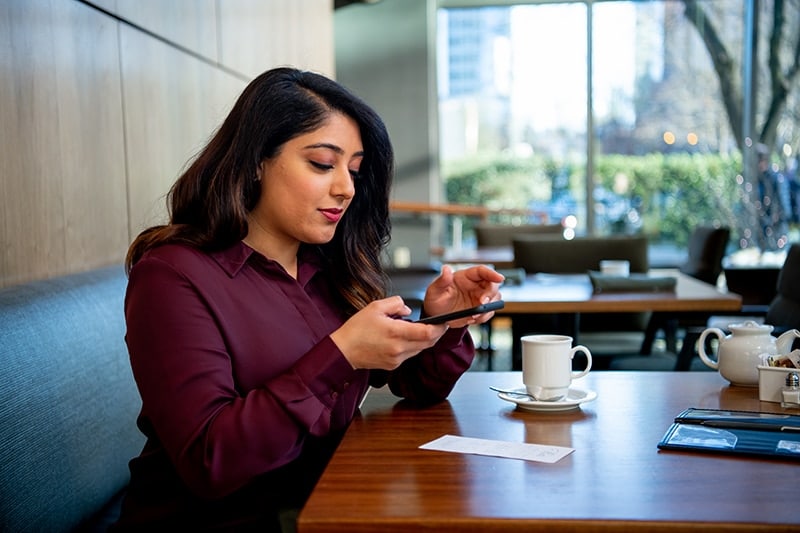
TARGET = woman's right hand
x,y
376,337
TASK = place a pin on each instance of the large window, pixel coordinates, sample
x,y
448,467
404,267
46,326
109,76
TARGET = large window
x,y
612,117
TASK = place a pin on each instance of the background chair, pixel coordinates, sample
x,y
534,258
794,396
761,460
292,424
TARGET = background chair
x,y
707,246
579,255
706,249
488,235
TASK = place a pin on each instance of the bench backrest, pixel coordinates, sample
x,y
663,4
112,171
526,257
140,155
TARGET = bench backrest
x,y
68,401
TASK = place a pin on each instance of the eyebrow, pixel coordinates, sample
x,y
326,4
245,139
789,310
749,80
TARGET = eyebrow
x,y
333,147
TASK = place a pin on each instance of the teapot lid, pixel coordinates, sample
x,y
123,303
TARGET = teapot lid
x,y
751,326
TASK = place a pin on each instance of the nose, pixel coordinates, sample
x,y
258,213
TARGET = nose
x,y
342,184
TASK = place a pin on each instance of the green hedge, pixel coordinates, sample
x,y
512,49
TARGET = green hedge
x,y
673,192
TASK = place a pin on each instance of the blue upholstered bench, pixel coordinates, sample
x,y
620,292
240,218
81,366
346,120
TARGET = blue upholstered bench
x,y
68,403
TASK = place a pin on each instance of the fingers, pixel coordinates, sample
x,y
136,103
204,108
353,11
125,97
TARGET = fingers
x,y
374,337
393,306
443,280
463,288
482,273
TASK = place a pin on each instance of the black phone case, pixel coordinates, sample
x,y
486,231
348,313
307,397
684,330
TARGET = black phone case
x,y
477,310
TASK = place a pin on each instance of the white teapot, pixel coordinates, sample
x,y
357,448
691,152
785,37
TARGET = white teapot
x,y
739,353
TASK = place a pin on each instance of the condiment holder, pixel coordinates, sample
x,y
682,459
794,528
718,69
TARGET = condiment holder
x,y
773,375
771,380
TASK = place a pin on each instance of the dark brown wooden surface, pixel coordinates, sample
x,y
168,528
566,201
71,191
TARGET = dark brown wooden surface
x,y
615,480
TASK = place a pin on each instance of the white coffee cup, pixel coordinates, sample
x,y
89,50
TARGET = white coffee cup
x,y
615,267
547,365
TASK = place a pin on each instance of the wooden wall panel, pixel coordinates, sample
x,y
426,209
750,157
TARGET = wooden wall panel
x,y
173,102
32,236
91,140
245,36
98,118
255,35
63,201
191,24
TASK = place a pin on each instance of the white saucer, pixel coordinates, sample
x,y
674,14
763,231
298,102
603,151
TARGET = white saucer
x,y
574,398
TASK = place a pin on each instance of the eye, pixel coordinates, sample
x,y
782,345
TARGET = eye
x,y
321,166
355,174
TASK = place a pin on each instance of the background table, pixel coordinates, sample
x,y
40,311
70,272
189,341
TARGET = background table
x,y
571,295
615,480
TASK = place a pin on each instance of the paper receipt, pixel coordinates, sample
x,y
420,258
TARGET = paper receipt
x,y
498,448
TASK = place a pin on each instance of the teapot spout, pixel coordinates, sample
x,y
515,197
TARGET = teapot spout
x,y
784,342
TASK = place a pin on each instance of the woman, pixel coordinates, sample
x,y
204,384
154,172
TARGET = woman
x,y
258,317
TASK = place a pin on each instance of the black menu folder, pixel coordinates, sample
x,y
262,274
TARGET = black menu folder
x,y
734,432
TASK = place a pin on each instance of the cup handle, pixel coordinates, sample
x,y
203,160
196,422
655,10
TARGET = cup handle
x,y
701,347
580,373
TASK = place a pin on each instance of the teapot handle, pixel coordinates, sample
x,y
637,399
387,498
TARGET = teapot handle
x,y
701,347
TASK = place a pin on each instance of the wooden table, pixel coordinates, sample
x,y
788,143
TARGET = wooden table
x,y
615,480
572,293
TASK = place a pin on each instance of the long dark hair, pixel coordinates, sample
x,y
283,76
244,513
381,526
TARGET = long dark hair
x,y
208,205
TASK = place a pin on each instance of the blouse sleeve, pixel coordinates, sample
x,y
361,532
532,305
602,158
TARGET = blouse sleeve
x,y
430,376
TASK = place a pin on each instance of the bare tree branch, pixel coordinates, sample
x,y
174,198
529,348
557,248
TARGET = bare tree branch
x,y
780,82
781,79
724,66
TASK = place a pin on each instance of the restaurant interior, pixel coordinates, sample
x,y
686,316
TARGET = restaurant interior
x,y
469,182
554,141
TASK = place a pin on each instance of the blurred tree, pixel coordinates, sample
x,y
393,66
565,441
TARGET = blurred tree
x,y
783,66
776,63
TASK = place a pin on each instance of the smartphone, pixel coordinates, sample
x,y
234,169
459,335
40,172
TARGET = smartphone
x,y
477,310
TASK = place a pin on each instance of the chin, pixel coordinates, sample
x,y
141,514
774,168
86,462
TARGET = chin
x,y
320,239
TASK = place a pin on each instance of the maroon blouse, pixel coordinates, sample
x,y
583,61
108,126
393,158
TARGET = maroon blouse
x,y
240,380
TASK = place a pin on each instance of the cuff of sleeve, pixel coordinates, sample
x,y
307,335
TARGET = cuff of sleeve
x,y
325,371
453,337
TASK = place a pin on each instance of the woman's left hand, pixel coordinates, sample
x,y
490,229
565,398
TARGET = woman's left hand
x,y
462,289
